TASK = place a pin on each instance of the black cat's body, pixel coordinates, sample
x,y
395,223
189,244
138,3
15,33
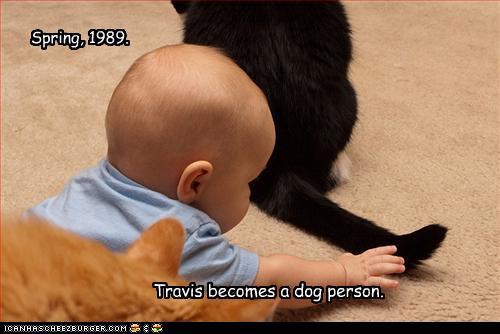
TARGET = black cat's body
x,y
299,54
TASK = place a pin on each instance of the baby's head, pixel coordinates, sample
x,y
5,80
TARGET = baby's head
x,y
187,122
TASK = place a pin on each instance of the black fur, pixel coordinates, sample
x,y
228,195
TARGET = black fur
x,y
181,6
298,54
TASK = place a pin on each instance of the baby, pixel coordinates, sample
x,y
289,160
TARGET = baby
x,y
187,132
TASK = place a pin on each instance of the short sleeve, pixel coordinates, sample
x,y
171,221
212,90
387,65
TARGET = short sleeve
x,y
209,257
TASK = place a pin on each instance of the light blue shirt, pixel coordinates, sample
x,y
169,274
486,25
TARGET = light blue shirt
x,y
102,204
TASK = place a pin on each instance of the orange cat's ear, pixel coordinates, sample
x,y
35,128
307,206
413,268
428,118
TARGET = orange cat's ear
x,y
161,244
243,310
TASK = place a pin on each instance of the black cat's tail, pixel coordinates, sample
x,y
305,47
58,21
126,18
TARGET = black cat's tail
x,y
291,199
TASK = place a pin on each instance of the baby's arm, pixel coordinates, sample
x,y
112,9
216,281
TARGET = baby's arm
x,y
364,269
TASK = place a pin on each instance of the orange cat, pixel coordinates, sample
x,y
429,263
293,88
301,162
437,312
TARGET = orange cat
x,y
48,274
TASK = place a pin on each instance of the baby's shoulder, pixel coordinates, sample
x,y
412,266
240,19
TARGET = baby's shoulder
x,y
199,223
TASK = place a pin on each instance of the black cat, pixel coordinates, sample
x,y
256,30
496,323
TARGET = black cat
x,y
298,53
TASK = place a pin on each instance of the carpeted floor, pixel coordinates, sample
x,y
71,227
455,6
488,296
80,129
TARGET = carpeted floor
x,y
424,151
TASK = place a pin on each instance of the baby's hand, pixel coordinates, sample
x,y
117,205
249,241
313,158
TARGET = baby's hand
x,y
369,267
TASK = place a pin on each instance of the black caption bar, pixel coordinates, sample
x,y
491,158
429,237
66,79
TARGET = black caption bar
x,y
226,327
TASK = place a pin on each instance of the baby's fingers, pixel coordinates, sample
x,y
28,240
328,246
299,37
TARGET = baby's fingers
x,y
381,251
381,282
386,259
379,269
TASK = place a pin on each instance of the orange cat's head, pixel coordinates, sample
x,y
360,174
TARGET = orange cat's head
x,y
48,274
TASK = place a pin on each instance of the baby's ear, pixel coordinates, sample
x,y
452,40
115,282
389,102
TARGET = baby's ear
x,y
161,244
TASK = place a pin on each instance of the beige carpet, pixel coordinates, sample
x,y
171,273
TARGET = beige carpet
x,y
425,149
